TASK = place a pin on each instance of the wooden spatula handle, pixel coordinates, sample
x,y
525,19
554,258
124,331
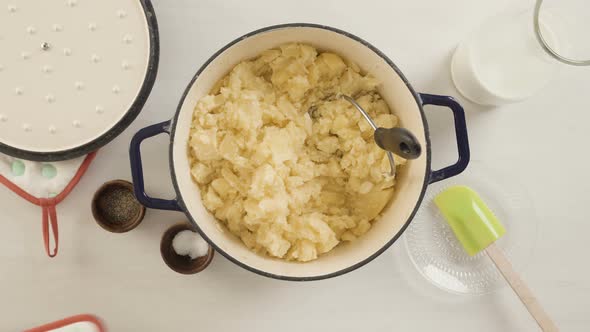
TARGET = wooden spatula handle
x,y
521,289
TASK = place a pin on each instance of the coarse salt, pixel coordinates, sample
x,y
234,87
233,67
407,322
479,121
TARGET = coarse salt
x,y
189,243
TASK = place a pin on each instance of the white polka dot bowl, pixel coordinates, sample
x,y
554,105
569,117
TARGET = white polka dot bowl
x,y
73,74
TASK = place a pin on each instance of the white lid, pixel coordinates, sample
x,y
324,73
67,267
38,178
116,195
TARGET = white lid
x,y
71,71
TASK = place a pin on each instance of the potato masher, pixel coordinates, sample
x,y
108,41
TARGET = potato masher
x,y
399,141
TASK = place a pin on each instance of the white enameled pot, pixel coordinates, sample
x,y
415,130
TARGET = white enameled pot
x,y
397,92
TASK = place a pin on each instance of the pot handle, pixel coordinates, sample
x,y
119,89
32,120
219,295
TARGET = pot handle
x,y
460,131
137,168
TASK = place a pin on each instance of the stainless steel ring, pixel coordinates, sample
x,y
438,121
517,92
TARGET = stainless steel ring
x,y
546,46
374,126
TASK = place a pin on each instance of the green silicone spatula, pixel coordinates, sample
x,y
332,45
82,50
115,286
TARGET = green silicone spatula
x,y
477,228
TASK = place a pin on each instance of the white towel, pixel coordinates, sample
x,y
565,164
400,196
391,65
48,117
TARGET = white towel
x,y
33,181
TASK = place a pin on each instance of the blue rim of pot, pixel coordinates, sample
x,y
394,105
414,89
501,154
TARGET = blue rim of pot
x,y
431,176
124,122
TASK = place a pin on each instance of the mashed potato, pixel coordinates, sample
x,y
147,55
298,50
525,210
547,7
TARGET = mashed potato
x,y
287,167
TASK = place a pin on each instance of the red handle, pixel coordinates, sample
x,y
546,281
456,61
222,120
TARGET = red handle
x,y
69,321
50,218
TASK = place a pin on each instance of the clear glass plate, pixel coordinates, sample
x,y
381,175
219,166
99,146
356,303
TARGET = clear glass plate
x,y
440,258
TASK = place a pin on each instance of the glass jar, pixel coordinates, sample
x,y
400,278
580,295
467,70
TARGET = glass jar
x,y
515,54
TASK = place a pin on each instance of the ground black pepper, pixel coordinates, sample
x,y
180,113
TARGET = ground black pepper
x,y
118,205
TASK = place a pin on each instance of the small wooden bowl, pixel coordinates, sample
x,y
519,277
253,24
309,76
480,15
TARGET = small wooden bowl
x,y
178,263
115,208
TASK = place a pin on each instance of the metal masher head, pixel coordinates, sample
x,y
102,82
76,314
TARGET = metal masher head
x,y
399,141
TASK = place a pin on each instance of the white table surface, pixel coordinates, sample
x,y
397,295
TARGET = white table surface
x,y
122,278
